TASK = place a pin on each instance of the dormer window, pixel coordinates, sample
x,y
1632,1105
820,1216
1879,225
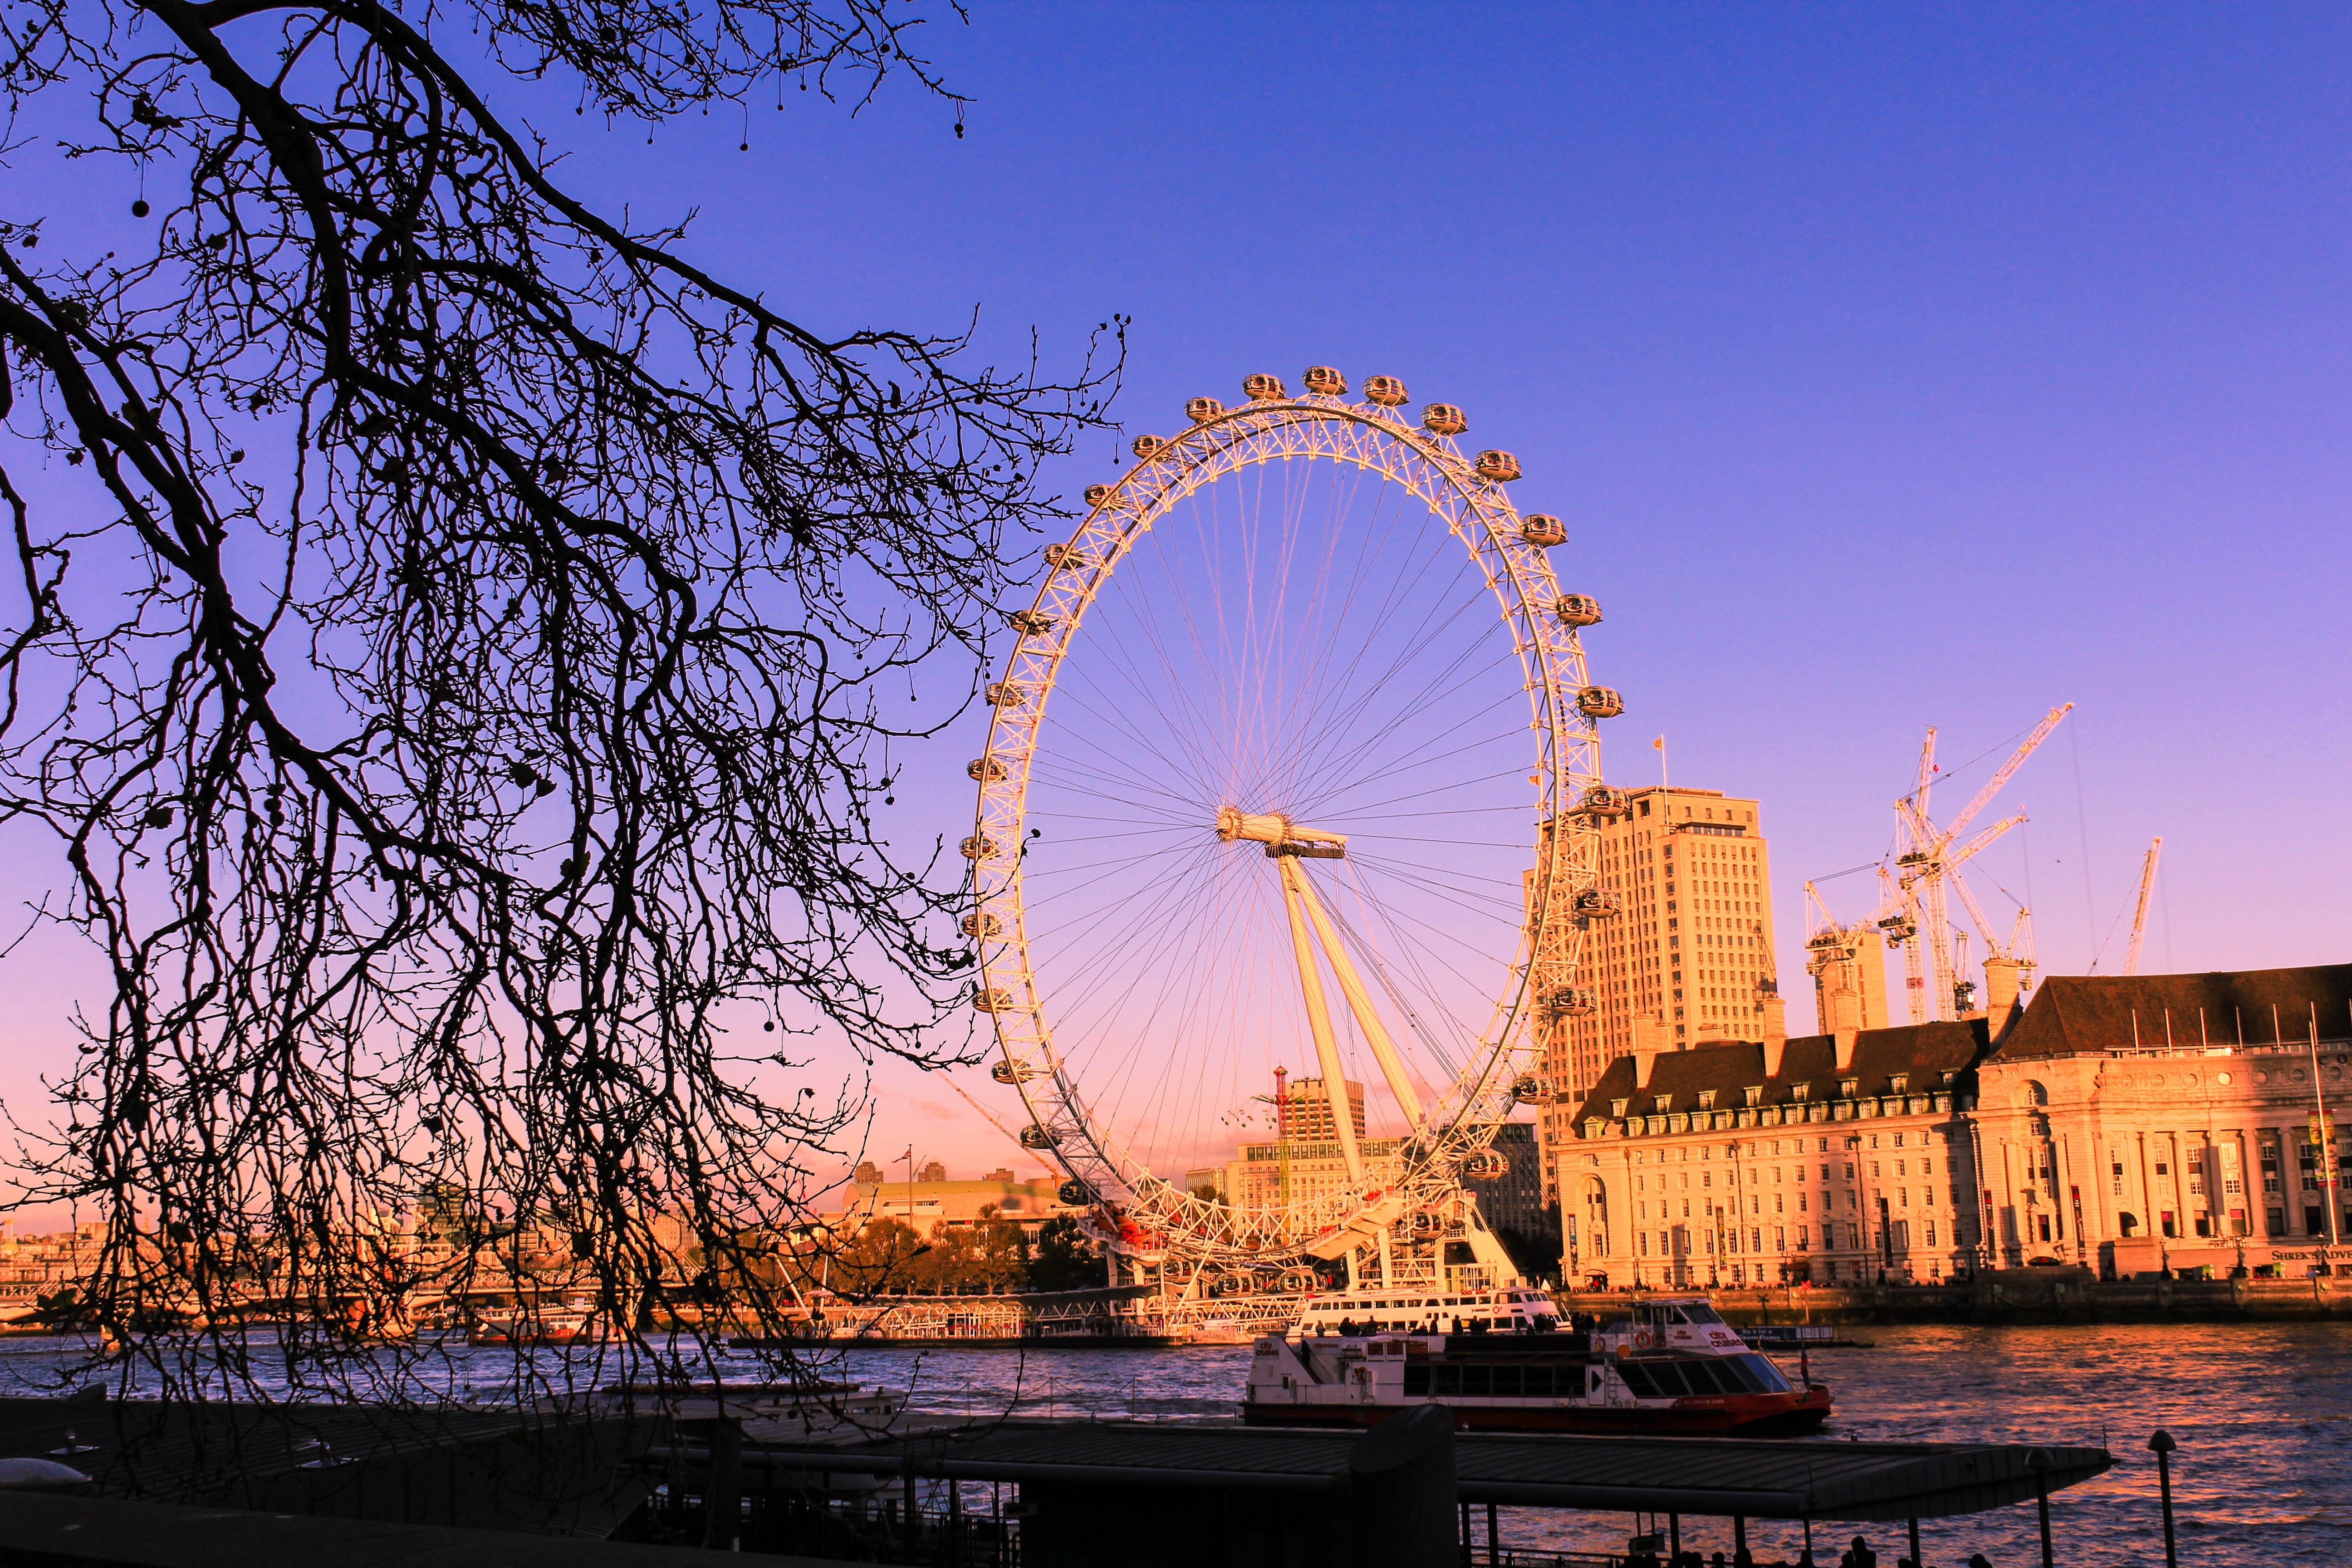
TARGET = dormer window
x,y
1755,1092
1849,1087
1706,1099
1617,1107
1898,1083
1946,1075
1663,1103
1799,1092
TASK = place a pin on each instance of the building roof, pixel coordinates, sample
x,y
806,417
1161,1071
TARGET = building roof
x,y
2073,1013
1774,1479
1922,1052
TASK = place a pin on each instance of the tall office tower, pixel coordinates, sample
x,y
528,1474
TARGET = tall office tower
x,y
1690,955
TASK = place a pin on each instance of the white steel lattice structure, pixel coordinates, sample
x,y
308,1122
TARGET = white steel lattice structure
x,y
1448,1096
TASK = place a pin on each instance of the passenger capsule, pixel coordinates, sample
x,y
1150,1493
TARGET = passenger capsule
x,y
1500,468
1145,445
1063,555
1031,622
983,925
1527,1089
1098,494
1599,703
979,846
1200,410
1577,610
1385,390
1487,1165
1264,388
1325,381
1005,693
1604,802
1443,419
1543,529
1011,1073
1075,1192
1036,1135
1572,1002
985,1000
1594,904
984,770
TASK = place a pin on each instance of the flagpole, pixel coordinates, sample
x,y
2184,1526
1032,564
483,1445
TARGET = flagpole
x,y
1660,744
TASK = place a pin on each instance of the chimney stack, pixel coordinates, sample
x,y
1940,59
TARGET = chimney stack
x,y
1847,1039
1650,1043
1776,1034
2002,983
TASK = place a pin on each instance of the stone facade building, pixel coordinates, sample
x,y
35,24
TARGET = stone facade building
x,y
1826,1158
2175,1121
2124,1123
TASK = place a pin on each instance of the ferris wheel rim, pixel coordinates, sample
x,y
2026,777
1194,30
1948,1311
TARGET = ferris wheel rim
x,y
1478,511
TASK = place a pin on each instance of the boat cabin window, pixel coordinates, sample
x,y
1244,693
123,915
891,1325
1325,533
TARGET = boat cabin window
x,y
1699,1315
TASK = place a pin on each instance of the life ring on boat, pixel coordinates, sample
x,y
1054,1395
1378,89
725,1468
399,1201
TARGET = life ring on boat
x,y
1642,1339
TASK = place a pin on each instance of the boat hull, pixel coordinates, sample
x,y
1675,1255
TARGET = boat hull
x,y
1761,1416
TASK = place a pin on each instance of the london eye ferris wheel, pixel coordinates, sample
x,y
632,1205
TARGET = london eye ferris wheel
x,y
1302,697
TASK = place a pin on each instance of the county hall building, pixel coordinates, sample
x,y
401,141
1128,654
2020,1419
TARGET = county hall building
x,y
2126,1123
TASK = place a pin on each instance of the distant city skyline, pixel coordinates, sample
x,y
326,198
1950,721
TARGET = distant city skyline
x,y
1888,369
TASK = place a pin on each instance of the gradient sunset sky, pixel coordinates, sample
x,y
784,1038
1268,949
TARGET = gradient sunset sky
x,y
1891,366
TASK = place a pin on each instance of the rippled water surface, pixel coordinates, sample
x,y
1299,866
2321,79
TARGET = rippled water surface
x,y
2263,1414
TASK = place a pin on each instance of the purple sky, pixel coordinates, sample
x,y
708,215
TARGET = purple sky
x,y
1891,366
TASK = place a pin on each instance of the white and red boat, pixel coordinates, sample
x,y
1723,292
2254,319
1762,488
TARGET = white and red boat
x,y
531,1330
1671,1365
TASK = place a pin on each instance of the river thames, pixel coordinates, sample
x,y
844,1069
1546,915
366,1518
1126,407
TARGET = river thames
x,y
2262,1415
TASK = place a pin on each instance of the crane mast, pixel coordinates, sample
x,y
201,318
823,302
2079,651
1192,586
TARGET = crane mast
x,y
2139,915
1916,912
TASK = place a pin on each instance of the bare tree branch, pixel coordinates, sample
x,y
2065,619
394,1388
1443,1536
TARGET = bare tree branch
x,y
459,692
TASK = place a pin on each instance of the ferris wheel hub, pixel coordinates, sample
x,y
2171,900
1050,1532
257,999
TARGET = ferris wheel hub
x,y
1279,834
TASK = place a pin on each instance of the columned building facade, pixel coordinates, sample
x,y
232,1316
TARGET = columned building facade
x,y
2127,1125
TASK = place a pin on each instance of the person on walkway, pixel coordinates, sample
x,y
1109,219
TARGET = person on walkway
x,y
1978,1560
1862,1556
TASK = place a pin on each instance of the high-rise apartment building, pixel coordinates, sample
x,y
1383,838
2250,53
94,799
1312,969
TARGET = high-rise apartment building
x,y
1688,957
1307,1110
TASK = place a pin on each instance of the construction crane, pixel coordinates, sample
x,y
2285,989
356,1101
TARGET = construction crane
x,y
1915,914
2139,915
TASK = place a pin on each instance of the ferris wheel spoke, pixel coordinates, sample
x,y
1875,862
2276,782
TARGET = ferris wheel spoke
x,y
1341,642
1120,1077
1430,699
1485,784
1184,693
1500,900
1417,953
1130,789
1112,716
1351,702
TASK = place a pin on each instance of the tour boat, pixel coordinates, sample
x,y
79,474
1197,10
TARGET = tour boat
x,y
541,1332
1672,1365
